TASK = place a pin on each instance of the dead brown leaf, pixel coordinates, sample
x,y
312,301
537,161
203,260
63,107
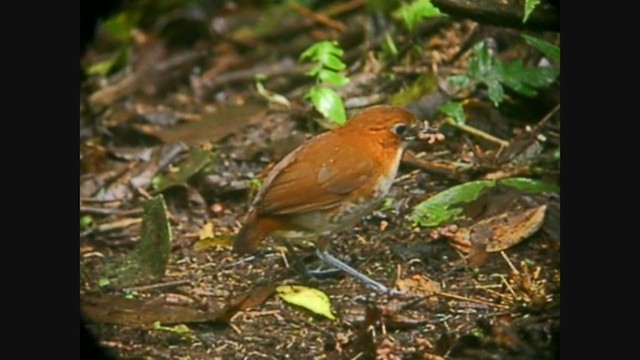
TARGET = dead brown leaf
x,y
252,298
508,229
112,309
418,285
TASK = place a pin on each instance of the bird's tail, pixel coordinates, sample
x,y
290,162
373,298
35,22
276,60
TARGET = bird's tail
x,y
254,230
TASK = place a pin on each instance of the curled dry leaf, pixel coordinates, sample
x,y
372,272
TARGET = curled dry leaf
x,y
419,285
255,296
507,230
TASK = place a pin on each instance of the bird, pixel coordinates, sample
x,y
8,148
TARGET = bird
x,y
331,182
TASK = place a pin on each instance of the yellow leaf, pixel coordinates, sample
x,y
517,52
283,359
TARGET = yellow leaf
x,y
224,241
207,231
308,298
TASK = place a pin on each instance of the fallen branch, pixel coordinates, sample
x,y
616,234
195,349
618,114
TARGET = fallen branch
x,y
496,12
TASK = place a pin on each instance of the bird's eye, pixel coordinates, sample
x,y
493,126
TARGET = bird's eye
x,y
400,129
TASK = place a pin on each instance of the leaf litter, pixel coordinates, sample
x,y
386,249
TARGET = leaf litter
x,y
203,92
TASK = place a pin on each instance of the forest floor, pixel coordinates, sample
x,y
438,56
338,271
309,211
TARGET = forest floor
x,y
181,110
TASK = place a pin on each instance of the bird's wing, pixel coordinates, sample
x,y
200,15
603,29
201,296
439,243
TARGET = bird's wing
x,y
316,176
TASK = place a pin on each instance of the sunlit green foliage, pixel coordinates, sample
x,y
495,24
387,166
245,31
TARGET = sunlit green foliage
x,y
412,13
485,69
327,58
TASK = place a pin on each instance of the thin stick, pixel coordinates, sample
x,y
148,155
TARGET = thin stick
x,y
506,283
467,299
284,258
319,18
344,7
496,293
506,258
158,285
452,296
479,133
109,211
547,117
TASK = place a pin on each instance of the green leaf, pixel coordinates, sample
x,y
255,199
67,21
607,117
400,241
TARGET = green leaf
x,y
439,208
180,330
333,62
390,45
481,64
255,183
548,49
412,13
101,67
272,97
494,73
308,298
388,204
522,79
321,50
314,70
459,81
442,207
86,222
496,92
453,110
195,162
131,294
104,282
106,67
120,25
530,185
325,53
556,154
427,83
529,6
332,78
328,103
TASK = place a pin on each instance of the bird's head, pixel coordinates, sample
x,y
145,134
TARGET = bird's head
x,y
389,123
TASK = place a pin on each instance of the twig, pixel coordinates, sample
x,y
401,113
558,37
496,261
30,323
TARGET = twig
x,y
109,211
467,299
286,66
158,285
435,167
319,18
307,23
344,7
479,133
235,328
506,258
547,117
133,82
98,201
506,283
241,261
451,296
118,224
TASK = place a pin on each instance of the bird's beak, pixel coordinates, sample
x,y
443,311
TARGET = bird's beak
x,y
414,130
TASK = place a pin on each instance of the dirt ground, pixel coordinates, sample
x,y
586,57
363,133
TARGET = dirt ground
x,y
194,90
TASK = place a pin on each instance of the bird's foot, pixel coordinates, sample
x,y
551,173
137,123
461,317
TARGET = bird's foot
x,y
378,287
